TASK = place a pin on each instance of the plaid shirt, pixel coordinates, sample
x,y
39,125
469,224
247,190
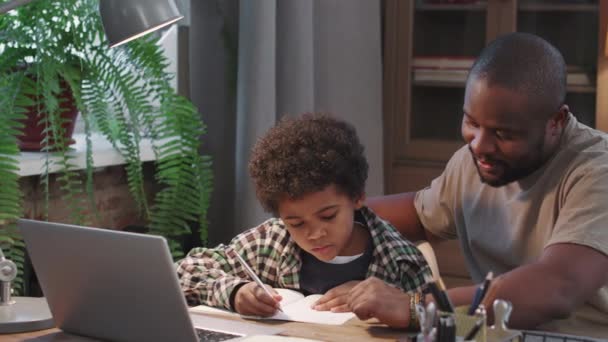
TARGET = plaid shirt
x,y
209,275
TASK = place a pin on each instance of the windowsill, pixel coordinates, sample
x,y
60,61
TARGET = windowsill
x,y
104,154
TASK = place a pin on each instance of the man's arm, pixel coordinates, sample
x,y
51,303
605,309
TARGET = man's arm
x,y
399,210
551,288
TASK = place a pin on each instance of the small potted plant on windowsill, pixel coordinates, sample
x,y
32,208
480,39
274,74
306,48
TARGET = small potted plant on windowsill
x,y
123,92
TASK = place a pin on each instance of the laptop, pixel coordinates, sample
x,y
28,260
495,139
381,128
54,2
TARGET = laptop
x,y
118,286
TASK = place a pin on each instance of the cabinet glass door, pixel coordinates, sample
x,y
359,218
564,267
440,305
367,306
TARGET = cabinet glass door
x,y
572,27
447,35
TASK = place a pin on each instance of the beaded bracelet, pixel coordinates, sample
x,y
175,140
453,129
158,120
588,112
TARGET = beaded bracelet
x,y
415,298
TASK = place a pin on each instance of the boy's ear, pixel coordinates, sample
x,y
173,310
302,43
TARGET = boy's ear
x,y
360,201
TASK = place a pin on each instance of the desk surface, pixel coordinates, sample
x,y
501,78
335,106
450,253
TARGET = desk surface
x,y
353,331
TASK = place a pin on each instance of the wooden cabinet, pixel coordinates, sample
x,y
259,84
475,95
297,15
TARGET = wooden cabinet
x,y
429,46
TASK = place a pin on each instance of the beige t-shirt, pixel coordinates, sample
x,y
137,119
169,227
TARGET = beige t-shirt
x,y
502,228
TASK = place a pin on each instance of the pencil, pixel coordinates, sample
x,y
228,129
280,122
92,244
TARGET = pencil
x,y
254,276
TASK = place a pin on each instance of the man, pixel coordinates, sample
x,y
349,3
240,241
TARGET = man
x,y
527,197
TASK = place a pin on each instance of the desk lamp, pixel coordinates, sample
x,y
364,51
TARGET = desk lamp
x,y
22,313
123,21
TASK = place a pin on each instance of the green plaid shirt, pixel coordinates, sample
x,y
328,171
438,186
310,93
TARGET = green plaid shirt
x,y
209,275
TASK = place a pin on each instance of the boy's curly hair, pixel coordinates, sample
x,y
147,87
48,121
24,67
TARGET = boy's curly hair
x,y
305,154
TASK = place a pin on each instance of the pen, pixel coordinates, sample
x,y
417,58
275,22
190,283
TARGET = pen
x,y
254,276
474,330
444,294
443,301
480,293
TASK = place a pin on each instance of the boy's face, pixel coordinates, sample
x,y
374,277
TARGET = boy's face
x,y
321,223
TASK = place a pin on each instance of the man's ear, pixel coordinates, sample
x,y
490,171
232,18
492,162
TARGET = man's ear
x,y
559,119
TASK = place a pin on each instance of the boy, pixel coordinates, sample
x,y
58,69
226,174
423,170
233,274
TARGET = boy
x,y
310,173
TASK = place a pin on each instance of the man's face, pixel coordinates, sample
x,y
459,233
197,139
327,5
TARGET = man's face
x,y
321,223
505,142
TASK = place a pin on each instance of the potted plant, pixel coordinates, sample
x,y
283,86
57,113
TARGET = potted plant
x,y
49,47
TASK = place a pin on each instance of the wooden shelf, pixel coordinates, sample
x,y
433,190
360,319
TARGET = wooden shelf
x,y
558,7
439,83
430,149
460,84
445,79
581,89
452,7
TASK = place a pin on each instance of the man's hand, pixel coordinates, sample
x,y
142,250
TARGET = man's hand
x,y
335,300
252,300
373,298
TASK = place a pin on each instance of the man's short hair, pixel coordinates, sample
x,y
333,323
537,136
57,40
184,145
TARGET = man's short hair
x,y
306,154
527,64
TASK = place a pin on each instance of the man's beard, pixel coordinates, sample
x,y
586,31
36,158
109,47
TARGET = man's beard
x,y
511,173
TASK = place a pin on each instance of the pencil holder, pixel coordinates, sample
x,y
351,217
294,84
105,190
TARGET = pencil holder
x,y
466,323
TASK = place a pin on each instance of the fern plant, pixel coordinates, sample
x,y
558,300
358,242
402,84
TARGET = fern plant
x,y
123,92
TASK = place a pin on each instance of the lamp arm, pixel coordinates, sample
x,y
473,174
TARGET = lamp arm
x,y
5,7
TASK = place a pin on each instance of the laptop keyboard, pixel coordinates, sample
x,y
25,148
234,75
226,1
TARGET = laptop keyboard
x,y
205,335
538,336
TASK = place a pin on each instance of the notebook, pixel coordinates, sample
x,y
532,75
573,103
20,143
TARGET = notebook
x,y
296,307
117,286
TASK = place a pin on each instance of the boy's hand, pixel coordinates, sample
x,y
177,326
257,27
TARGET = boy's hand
x,y
336,299
252,300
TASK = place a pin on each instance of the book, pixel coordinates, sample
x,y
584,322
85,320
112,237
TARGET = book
x,y
443,62
455,76
578,78
296,307
575,77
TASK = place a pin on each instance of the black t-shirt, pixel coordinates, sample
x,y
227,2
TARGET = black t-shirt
x,y
318,277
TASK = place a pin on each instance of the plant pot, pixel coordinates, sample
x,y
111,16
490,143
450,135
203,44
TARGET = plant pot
x,y
33,132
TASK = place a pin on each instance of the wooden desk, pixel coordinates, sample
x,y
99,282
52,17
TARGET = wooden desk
x,y
352,331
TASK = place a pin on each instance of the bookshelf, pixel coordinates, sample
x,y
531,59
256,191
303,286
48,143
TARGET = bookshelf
x,y
427,45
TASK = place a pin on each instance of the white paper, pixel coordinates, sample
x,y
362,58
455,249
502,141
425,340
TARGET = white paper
x,y
289,296
275,338
302,311
295,308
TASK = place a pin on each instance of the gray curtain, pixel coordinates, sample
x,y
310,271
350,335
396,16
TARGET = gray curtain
x,y
293,56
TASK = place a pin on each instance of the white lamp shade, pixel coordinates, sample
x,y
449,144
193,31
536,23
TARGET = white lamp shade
x,y
125,20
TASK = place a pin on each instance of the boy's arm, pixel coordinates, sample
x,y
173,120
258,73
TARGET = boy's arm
x,y
209,276
399,261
